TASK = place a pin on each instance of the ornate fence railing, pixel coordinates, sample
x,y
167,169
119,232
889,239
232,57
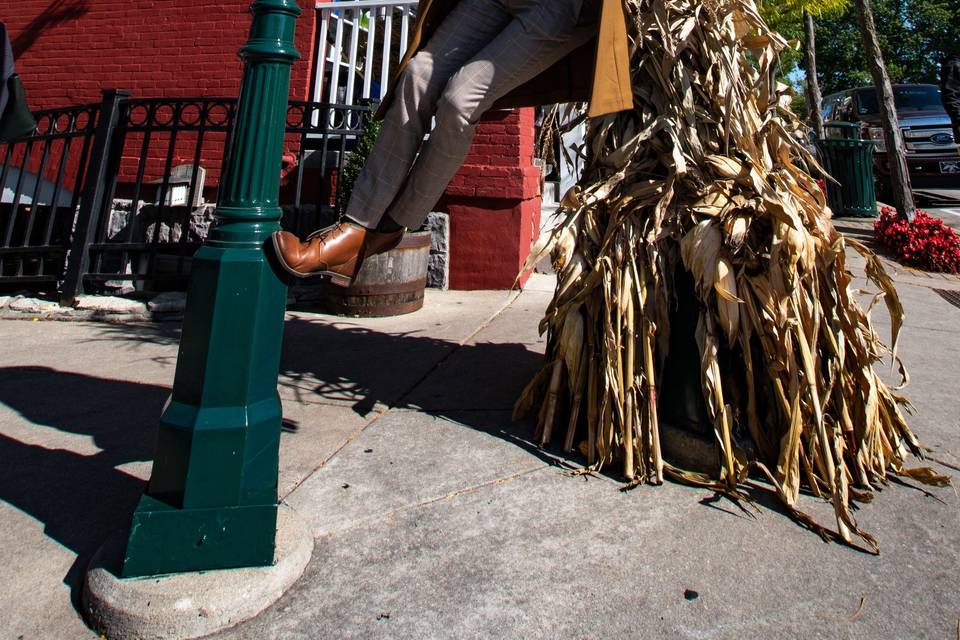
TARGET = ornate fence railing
x,y
117,196
41,179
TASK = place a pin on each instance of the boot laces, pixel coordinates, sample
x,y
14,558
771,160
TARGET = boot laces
x,y
334,228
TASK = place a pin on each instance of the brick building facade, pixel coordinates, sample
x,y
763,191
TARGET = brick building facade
x,y
67,51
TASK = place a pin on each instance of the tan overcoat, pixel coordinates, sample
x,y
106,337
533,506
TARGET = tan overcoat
x,y
597,73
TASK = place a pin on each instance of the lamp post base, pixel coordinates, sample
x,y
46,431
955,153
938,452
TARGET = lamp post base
x,y
190,605
167,540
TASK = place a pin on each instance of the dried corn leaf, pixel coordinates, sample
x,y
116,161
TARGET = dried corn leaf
x,y
708,172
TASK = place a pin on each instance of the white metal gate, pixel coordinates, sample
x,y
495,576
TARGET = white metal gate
x,y
360,45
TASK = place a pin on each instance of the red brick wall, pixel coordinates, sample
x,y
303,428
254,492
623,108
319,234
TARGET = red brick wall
x,y
494,204
68,50
501,159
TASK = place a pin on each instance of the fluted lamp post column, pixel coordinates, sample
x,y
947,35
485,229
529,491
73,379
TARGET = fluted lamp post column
x,y
212,498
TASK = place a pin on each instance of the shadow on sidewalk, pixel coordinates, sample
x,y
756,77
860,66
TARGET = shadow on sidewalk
x,y
474,385
343,362
349,363
80,498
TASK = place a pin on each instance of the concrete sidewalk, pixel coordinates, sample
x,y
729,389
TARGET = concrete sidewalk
x,y
435,516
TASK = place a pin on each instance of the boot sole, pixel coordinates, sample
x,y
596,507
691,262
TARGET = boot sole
x,y
337,279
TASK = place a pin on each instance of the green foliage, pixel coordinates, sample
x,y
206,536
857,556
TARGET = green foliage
x,y
914,36
782,19
799,106
786,17
355,161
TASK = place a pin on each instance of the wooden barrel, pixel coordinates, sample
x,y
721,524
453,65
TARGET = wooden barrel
x,y
389,284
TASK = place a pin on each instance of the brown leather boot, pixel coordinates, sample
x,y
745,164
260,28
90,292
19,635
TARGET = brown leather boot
x,y
337,251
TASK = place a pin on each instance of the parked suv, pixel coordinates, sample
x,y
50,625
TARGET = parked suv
x,y
933,156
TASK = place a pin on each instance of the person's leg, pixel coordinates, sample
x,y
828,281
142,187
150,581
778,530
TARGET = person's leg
x,y
467,29
541,33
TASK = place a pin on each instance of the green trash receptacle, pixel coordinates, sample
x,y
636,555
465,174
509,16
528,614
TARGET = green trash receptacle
x,y
849,160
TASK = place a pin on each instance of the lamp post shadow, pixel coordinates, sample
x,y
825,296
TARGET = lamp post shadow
x,y
81,497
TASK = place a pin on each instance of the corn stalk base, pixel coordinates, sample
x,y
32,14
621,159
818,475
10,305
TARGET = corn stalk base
x,y
707,176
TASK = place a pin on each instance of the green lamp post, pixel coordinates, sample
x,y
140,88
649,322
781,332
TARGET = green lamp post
x,y
212,498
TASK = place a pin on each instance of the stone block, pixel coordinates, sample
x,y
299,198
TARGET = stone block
x,y
33,305
69,314
110,305
169,302
151,221
438,266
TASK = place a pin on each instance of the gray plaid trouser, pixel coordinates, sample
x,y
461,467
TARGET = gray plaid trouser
x,y
481,51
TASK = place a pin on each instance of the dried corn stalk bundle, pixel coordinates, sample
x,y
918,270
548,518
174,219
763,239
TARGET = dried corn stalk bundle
x,y
708,173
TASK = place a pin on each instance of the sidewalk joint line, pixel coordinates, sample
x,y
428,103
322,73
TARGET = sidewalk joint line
x,y
513,298
390,406
353,436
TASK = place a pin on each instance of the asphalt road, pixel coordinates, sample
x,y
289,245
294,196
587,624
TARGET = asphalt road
x,y
941,203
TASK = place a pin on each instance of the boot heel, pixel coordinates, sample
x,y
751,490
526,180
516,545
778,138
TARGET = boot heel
x,y
346,277
340,281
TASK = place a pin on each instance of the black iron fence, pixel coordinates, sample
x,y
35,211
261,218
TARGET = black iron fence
x,y
118,196
37,209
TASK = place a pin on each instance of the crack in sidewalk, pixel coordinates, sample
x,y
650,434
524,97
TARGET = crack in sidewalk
x,y
393,513
465,490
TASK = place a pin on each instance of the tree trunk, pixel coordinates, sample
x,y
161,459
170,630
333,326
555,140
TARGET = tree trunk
x,y
896,150
814,98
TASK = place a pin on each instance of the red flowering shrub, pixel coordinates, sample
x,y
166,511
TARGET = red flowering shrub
x,y
926,243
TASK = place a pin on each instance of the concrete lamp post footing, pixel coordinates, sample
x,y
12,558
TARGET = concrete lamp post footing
x,y
190,605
